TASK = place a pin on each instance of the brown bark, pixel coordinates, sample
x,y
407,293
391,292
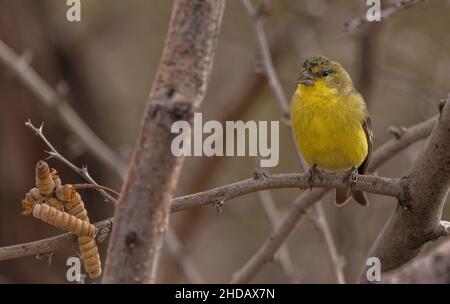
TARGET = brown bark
x,y
433,268
179,88
425,190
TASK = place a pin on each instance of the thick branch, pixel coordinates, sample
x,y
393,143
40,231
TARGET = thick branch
x,y
433,268
178,89
426,187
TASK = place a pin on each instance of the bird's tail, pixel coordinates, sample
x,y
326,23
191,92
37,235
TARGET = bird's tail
x,y
343,196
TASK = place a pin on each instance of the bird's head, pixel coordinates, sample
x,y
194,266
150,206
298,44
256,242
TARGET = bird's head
x,y
320,69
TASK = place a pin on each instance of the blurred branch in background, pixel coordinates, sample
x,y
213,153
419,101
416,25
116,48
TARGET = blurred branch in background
x,y
238,106
283,257
53,100
258,17
266,58
386,12
320,222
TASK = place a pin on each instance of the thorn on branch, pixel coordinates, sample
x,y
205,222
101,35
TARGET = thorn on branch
x,y
397,132
219,205
264,8
43,255
442,103
26,58
443,229
259,174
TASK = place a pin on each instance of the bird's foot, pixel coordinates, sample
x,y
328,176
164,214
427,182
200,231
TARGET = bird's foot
x,y
312,173
351,176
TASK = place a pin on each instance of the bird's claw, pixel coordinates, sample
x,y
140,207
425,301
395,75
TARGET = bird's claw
x,y
312,173
351,176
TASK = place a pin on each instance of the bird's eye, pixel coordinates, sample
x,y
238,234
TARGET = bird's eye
x,y
325,73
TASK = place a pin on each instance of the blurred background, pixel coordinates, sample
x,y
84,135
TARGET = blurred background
x,y
401,66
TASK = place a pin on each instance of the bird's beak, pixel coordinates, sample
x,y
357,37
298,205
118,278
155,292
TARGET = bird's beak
x,y
306,78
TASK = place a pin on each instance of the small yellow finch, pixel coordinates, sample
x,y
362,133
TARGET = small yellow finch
x,y
331,124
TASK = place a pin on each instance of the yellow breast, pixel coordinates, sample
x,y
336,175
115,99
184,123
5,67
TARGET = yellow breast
x,y
328,127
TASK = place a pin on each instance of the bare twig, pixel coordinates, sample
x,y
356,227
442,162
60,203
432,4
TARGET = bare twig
x,y
283,256
272,77
187,265
50,98
83,171
321,224
62,241
385,13
92,186
278,236
178,90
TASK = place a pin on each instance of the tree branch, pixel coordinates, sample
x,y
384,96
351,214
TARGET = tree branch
x,y
390,10
321,224
366,183
283,257
83,171
433,268
274,82
178,90
426,187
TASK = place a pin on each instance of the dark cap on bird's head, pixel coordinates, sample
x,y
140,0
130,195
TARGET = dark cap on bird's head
x,y
317,67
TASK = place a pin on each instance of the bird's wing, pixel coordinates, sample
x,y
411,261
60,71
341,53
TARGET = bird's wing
x,y
367,126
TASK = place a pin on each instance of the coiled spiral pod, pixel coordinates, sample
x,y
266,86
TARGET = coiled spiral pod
x,y
88,247
55,177
63,220
55,203
44,180
32,198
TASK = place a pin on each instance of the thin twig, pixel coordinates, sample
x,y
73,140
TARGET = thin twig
x,y
51,99
283,257
385,13
394,146
185,262
272,77
93,186
321,224
83,171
